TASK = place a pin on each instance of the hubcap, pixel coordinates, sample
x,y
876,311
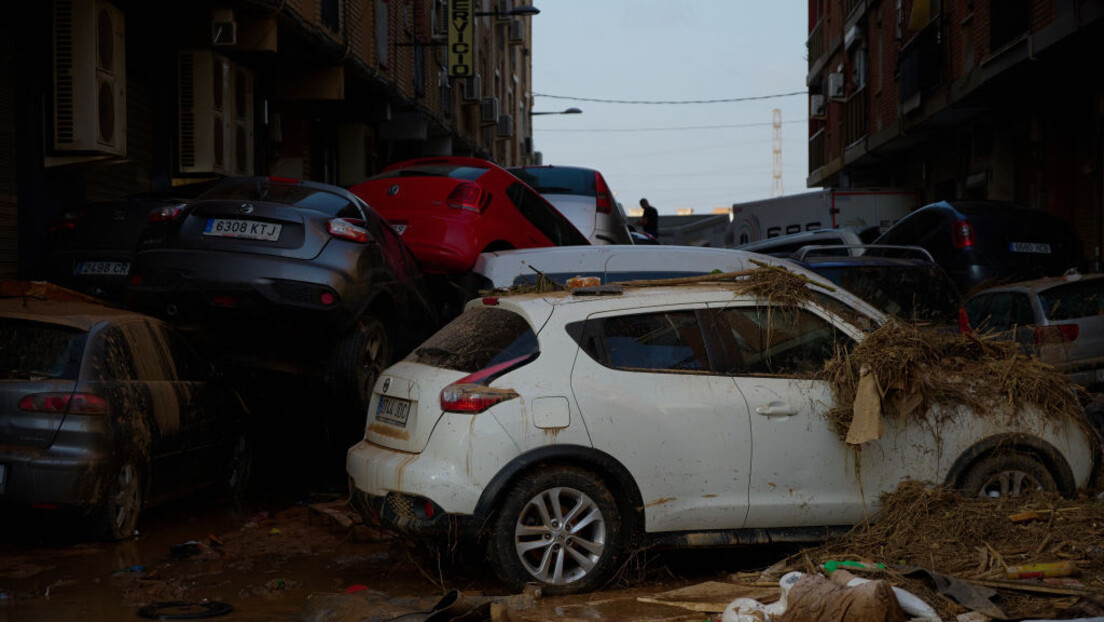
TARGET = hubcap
x,y
560,535
124,501
1009,484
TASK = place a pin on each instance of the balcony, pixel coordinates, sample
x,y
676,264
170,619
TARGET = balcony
x,y
854,117
920,67
815,44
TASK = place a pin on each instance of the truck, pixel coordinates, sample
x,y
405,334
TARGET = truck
x,y
866,211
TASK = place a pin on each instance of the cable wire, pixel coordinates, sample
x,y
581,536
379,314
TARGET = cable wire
x,y
676,102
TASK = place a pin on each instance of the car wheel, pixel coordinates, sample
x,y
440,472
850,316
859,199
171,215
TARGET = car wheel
x,y
559,527
358,360
117,517
1007,474
239,470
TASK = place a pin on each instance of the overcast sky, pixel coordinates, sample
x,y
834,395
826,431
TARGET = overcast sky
x,y
686,50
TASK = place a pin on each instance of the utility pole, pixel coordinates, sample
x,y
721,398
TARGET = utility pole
x,y
776,181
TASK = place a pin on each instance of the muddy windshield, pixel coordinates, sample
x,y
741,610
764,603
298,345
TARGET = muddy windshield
x,y
33,350
479,338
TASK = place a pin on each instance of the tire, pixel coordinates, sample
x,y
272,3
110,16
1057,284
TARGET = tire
x,y
239,469
117,516
529,542
1007,474
357,362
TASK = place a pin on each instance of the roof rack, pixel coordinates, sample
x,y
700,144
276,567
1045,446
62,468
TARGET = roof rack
x,y
879,250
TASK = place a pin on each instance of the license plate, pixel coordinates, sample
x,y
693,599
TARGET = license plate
x,y
248,229
1029,247
103,267
393,411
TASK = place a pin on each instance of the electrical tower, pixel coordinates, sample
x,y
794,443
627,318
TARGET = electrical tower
x,y
776,169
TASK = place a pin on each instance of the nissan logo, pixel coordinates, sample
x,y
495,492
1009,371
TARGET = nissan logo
x,y
393,190
386,385
246,208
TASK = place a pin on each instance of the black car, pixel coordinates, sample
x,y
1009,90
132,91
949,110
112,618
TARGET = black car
x,y
90,248
288,275
988,241
899,281
104,412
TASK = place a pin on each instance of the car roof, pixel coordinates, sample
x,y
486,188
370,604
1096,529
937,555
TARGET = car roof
x,y
549,166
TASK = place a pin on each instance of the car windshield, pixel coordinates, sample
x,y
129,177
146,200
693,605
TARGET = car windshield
x,y
915,293
31,350
467,173
558,180
1074,300
477,339
260,189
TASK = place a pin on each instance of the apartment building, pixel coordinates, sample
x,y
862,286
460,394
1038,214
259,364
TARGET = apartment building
x,y
103,98
995,99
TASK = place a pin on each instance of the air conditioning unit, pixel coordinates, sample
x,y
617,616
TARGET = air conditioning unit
x,y
206,112
89,77
505,125
517,32
816,105
472,88
488,110
835,85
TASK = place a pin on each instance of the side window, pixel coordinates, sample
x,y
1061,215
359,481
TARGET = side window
x,y
660,341
999,314
543,216
187,365
977,309
775,341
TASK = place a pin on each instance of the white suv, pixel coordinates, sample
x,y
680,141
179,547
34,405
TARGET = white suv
x,y
583,196
562,430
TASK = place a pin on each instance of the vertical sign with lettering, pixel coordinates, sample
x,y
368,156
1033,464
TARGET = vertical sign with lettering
x,y
461,38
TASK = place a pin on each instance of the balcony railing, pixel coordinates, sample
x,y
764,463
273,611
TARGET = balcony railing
x,y
854,117
849,6
817,145
921,63
815,43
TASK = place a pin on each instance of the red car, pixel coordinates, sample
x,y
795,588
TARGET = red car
x,y
448,210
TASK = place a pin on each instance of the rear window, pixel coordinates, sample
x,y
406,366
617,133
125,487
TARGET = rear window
x,y
545,217
558,180
1074,300
922,293
31,350
467,173
260,189
477,339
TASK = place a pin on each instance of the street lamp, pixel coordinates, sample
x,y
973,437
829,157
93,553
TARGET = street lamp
x,y
568,111
521,11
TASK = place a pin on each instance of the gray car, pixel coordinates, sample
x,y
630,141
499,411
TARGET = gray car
x,y
1060,320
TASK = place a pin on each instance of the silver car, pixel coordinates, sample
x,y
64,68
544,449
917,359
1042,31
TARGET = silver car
x,y
583,196
1060,320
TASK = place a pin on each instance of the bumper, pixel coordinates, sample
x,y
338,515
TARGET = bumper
x,y
37,477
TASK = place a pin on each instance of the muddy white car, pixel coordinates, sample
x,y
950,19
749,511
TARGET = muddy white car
x,y
563,430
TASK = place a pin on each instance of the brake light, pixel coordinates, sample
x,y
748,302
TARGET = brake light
x,y
471,394
963,321
61,403
1059,333
68,221
169,213
602,191
962,233
469,197
347,229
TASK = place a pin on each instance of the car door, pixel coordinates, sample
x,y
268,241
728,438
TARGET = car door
x,y
648,391
802,473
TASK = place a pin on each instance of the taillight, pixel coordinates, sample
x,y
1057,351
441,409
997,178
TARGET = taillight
x,y
963,321
471,394
469,197
167,213
962,233
602,191
347,229
61,403
1059,333
68,221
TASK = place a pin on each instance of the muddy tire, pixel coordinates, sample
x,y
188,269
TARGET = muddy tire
x,y
355,364
559,527
117,516
1007,474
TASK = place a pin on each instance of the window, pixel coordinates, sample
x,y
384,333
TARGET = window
x,y
35,349
477,339
659,341
776,341
331,14
1006,311
1074,300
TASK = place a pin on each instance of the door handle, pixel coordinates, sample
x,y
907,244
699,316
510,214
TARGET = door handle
x,y
776,409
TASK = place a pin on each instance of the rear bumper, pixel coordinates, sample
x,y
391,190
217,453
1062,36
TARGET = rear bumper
x,y
41,477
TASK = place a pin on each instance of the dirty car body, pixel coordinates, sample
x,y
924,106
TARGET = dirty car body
x,y
104,412
580,427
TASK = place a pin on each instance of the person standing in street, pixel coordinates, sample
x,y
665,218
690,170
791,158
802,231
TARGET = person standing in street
x,y
649,222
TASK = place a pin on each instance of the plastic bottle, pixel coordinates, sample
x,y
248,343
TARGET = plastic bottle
x,y
1033,571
